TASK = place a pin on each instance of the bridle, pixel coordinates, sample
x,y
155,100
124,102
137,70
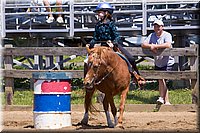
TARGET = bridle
x,y
97,71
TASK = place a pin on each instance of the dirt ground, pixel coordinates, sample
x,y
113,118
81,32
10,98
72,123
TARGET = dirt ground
x,y
165,120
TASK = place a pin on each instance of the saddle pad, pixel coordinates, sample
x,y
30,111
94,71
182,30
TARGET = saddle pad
x,y
127,62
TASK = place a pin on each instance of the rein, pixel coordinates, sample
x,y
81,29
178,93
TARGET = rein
x,y
104,77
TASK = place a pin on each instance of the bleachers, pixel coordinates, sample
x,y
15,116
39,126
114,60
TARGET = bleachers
x,y
130,16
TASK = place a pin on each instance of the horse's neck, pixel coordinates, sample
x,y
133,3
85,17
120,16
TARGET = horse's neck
x,y
112,59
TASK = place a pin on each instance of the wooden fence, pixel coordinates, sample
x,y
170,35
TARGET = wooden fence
x,y
10,52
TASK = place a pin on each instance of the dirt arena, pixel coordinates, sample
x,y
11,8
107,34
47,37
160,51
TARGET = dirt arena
x,y
137,118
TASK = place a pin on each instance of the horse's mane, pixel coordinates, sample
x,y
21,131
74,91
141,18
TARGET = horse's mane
x,y
110,60
106,53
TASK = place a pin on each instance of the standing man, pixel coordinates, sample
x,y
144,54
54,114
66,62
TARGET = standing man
x,y
160,39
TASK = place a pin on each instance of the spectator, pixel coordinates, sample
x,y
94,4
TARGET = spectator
x,y
59,9
160,39
36,3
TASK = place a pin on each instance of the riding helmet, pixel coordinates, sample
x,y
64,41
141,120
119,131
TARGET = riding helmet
x,y
104,7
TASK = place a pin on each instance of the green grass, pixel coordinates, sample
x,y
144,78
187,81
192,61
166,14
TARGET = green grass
x,y
78,59
178,96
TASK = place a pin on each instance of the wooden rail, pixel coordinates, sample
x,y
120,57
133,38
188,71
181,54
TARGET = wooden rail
x,y
148,74
135,51
10,52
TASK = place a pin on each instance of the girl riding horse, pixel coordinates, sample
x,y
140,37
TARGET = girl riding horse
x,y
105,31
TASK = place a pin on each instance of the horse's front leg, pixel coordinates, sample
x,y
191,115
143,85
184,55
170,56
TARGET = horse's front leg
x,y
88,102
106,105
121,108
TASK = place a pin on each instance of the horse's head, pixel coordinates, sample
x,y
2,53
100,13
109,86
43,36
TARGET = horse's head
x,y
96,66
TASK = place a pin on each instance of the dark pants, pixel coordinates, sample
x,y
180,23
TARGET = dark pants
x,y
165,68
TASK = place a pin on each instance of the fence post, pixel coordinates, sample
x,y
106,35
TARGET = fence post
x,y
9,82
194,62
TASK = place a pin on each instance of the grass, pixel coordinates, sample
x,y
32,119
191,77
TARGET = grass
x,y
178,96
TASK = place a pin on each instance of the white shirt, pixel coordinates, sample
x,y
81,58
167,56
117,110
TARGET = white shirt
x,y
161,61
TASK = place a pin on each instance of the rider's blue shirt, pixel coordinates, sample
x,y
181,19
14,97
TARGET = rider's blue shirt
x,y
104,32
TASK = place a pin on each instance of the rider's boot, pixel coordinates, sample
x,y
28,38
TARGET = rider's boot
x,y
137,78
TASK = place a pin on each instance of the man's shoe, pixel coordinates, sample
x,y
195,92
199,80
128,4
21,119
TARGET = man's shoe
x,y
167,103
160,101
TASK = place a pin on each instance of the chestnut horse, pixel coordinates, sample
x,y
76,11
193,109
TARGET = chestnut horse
x,y
108,73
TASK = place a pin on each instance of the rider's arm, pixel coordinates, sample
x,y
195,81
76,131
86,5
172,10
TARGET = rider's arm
x,y
115,34
94,39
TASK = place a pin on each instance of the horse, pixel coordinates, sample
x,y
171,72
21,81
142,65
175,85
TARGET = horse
x,y
108,73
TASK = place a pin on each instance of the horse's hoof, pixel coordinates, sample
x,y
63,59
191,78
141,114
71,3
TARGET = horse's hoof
x,y
111,125
84,123
78,124
120,126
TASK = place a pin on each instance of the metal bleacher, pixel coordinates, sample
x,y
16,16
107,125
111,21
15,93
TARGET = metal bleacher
x,y
132,17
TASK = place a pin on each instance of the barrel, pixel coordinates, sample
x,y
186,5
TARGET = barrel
x,y
52,100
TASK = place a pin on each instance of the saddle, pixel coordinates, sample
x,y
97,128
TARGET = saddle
x,y
139,79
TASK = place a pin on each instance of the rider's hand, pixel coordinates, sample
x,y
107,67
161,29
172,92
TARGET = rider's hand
x,y
88,45
110,44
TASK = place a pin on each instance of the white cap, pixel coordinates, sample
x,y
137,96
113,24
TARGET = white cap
x,y
158,22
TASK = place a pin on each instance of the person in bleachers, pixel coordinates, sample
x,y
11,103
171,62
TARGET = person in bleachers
x,y
59,9
46,4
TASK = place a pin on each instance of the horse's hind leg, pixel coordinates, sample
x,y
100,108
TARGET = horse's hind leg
x,y
88,102
105,106
122,104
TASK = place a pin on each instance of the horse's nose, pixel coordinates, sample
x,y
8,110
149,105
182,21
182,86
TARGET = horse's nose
x,y
88,83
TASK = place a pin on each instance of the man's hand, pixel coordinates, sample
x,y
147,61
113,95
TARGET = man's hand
x,y
153,48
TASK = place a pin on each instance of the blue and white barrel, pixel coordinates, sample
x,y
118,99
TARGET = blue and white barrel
x,y
52,100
